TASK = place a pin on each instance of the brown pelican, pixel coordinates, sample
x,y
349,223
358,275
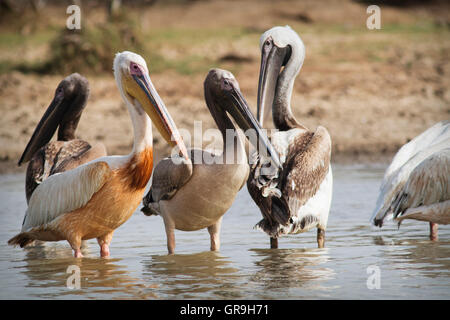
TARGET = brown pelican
x,y
195,194
47,158
416,184
297,197
95,198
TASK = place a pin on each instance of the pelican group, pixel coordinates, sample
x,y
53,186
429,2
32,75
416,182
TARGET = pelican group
x,y
194,194
416,185
296,197
76,192
95,198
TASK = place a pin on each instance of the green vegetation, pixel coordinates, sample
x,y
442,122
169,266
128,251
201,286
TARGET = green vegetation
x,y
51,48
422,27
92,49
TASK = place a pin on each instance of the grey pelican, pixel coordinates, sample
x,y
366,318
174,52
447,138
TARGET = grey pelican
x,y
47,158
297,197
416,184
195,194
95,198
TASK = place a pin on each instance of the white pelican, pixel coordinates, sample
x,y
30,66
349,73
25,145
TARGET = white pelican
x,y
416,183
195,194
64,112
94,199
297,197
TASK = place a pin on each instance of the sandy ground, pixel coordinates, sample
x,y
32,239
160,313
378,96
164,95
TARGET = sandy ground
x,y
373,90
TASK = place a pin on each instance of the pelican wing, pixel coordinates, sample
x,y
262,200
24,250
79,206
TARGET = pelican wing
x,y
306,162
65,192
70,151
393,185
169,175
437,212
427,184
434,135
406,158
306,167
52,158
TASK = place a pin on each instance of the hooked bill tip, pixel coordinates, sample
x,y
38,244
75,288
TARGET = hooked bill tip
x,y
378,222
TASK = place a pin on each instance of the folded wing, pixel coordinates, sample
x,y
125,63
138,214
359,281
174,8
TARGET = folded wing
x,y
427,184
65,192
169,175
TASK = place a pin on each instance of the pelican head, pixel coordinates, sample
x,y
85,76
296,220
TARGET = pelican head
x,y
64,111
136,88
280,47
223,95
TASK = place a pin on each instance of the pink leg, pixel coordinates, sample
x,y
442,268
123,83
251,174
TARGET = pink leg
x,y
434,231
77,253
104,242
75,243
104,250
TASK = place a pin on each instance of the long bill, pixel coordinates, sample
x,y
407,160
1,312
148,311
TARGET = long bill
x,y
45,129
241,113
153,105
272,60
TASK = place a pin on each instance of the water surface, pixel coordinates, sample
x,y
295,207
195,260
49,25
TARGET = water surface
x,y
410,266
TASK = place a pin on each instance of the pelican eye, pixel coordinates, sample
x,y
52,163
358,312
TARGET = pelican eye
x,y
227,84
135,69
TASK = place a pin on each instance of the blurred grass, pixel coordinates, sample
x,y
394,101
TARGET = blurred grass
x,y
10,40
191,45
425,27
91,50
422,27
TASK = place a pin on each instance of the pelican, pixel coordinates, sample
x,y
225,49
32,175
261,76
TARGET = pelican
x,y
47,158
297,197
416,184
195,194
94,199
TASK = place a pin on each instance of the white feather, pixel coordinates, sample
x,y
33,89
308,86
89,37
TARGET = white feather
x,y
64,192
436,134
319,204
405,161
428,185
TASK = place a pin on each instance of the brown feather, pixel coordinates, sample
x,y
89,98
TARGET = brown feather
x,y
306,165
138,170
56,157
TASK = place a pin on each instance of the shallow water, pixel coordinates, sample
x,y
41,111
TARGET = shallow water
x,y
409,265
